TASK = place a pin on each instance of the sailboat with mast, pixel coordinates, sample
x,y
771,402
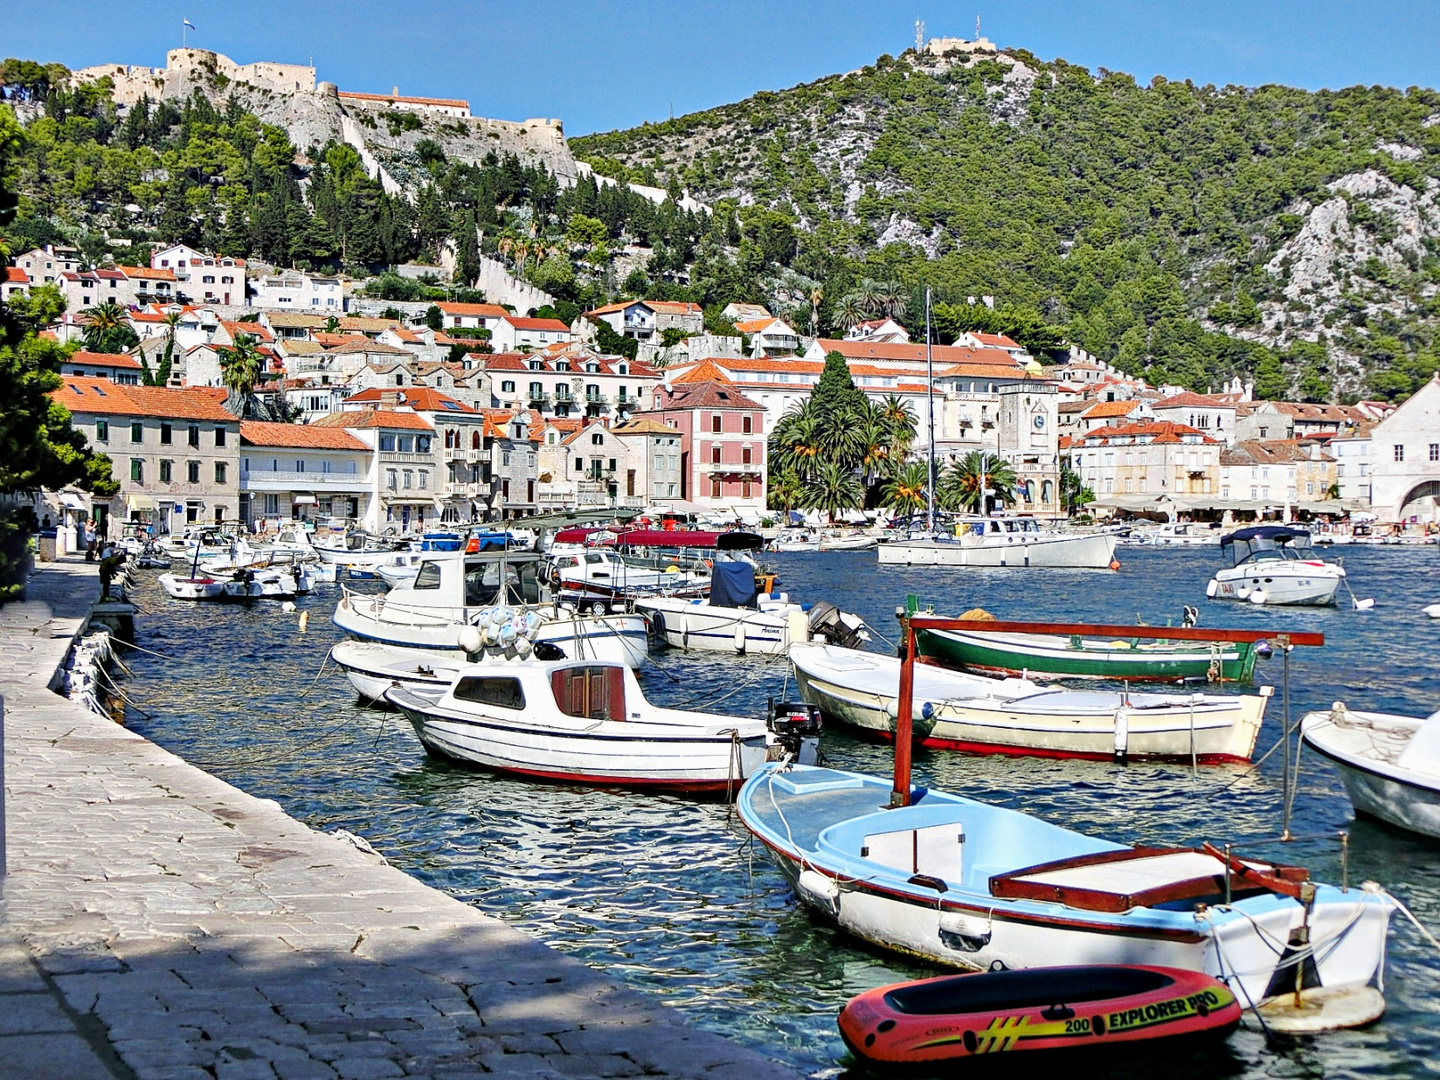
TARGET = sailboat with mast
x,y
984,539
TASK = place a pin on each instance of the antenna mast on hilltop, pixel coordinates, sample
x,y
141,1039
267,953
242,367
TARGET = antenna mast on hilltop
x,y
919,35
977,27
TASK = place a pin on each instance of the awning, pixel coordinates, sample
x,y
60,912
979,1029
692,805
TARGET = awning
x,y
138,501
304,500
71,501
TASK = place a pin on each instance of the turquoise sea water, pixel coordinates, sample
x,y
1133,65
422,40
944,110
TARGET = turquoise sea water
x,y
667,893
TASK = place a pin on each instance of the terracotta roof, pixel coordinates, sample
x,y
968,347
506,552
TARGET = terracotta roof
x,y
374,418
254,329
610,309
706,372
454,103
1101,409
754,326
101,397
258,433
502,361
1270,452
1156,431
706,395
146,272
537,324
674,307
489,311
999,341
359,343
643,426
365,322
419,398
114,360
984,371
15,276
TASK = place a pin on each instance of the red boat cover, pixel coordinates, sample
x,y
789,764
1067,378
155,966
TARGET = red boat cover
x,y
662,538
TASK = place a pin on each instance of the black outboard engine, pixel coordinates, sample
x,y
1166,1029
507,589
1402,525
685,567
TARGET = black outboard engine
x,y
796,725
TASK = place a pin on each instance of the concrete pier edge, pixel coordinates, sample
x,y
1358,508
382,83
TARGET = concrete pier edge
x,y
157,923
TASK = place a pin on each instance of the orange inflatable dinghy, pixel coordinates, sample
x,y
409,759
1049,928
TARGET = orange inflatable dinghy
x,y
937,1021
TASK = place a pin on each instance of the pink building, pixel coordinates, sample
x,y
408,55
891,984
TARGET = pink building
x,y
722,443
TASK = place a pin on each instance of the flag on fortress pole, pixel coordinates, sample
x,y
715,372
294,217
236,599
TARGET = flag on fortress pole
x,y
185,23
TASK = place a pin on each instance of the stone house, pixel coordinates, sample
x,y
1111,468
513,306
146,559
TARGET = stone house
x,y
310,473
202,278
722,444
403,480
1405,459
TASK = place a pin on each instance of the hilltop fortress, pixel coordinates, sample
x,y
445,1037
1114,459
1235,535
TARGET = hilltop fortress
x,y
384,128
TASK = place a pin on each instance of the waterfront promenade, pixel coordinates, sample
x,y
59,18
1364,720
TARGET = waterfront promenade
x,y
158,923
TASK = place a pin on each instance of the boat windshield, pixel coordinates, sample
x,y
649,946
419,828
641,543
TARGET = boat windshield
x,y
1268,545
483,584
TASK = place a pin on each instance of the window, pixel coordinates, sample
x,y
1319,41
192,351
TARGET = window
x,y
715,423
424,479
504,693
219,472
407,478
715,454
137,432
102,431
530,459
166,431
387,444
165,469
1399,452
192,471
715,489
137,471
219,436
747,425
611,466
1435,451
406,444
505,457
391,479
508,386
428,577
194,435
745,455
597,439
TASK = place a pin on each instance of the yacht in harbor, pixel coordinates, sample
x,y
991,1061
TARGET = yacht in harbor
x,y
1002,541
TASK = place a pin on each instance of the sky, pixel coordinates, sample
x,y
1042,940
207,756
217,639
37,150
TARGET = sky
x,y
599,65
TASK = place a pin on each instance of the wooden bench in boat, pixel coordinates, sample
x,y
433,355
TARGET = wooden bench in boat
x,y
1116,881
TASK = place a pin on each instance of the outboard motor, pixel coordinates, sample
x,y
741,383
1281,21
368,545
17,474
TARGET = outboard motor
x,y
836,627
796,726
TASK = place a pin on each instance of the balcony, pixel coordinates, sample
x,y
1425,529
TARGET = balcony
x,y
468,489
393,456
731,468
282,480
538,400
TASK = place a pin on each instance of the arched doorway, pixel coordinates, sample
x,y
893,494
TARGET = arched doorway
x,y
1422,502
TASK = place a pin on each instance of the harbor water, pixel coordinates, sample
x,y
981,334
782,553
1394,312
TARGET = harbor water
x,y
668,893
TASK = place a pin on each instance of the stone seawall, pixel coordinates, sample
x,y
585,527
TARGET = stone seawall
x,y
159,923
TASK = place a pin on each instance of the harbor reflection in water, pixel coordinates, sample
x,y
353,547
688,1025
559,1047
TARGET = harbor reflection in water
x,y
668,893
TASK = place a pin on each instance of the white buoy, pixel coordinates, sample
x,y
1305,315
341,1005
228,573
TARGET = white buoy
x,y
1432,610
304,620
1366,604
470,640
1211,589
817,888
1258,596
1243,592
288,607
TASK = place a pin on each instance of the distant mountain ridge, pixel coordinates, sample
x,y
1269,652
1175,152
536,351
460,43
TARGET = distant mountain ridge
x,y
1165,227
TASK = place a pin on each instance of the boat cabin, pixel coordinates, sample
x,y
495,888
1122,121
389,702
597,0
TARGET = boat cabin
x,y
990,526
1266,542
480,580
587,691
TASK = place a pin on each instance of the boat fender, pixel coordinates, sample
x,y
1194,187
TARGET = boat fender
x,y
964,933
927,710
818,888
1243,592
1259,596
797,627
523,647
740,637
470,639
304,620
1122,734
1114,564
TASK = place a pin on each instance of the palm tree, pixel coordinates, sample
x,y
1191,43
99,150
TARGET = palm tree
x,y
906,490
965,484
874,440
900,419
872,297
834,488
817,294
785,492
849,311
104,323
795,445
241,365
891,299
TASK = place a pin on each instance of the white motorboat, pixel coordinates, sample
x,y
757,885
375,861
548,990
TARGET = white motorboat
x,y
358,550
589,723
795,540
1173,534
262,584
451,593
599,579
373,668
400,567
1003,542
192,586
737,619
205,541
1390,765
958,711
1269,567
969,885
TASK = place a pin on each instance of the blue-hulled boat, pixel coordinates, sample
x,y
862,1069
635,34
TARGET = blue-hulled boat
x,y
967,884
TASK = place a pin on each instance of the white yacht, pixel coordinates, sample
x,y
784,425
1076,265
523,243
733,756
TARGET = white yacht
x,y
1002,541
1269,567
1390,764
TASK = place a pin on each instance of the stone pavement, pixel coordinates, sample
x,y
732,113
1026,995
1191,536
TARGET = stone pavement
x,y
158,923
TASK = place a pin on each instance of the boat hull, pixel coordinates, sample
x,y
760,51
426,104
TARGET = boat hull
x,y
697,763
186,588
372,669
1089,659
619,639
685,625
1381,790
1094,551
1067,725
1298,583
963,925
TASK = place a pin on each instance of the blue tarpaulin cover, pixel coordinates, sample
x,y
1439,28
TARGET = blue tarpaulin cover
x,y
732,584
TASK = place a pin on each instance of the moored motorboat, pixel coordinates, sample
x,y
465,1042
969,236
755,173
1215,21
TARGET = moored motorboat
x,y
1390,764
373,668
1003,542
1090,1007
265,584
735,618
589,723
953,710
966,884
193,586
1269,567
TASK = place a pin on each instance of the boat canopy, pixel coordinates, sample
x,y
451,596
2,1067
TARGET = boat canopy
x,y
1265,541
732,584
665,538
1280,534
